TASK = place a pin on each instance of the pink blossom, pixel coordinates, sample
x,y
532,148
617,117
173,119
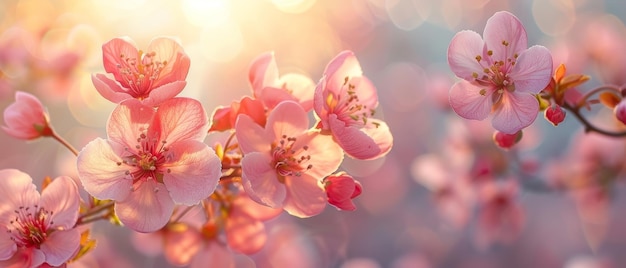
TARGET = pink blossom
x,y
554,114
506,141
26,118
345,102
341,188
151,160
224,118
620,111
272,89
500,74
152,77
501,218
37,229
245,231
284,162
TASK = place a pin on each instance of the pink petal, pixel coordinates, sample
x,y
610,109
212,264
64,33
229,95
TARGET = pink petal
x,y
301,87
468,102
99,172
109,88
288,118
114,52
169,50
262,72
366,91
462,52
244,204
516,112
251,136
128,121
61,196
180,119
345,64
319,103
220,119
147,208
305,197
182,243
215,254
149,244
533,70
163,93
23,115
357,142
273,96
245,234
60,246
7,246
504,26
193,172
326,155
16,189
25,257
260,181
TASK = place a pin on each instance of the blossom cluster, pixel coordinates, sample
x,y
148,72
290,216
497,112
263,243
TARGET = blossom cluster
x,y
154,173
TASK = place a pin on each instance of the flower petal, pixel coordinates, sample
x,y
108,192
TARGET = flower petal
x,y
116,51
245,234
99,172
345,64
61,196
462,52
533,70
305,197
169,50
272,96
251,136
24,257
505,27
516,111
288,118
193,171
109,88
23,115
215,254
357,142
128,121
7,246
262,72
260,181
16,190
147,209
60,245
257,211
301,87
182,243
468,102
326,155
164,92
180,119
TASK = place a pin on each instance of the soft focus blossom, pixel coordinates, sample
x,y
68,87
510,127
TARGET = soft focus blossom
x,y
284,162
506,141
341,188
554,114
500,75
224,118
153,76
26,118
37,229
151,160
620,111
345,102
272,89
501,218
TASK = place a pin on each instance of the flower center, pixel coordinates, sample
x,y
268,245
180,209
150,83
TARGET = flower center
x,y
140,74
289,160
146,159
495,72
30,226
347,106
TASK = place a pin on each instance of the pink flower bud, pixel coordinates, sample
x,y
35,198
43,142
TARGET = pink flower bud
x,y
341,188
26,118
620,111
506,141
554,114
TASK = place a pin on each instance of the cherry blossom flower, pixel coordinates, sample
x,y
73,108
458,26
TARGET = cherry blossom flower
x,y
345,102
151,160
341,188
37,229
501,75
224,118
26,118
501,218
152,77
284,162
272,89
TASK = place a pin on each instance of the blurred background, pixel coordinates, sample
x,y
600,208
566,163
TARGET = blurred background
x,y
556,200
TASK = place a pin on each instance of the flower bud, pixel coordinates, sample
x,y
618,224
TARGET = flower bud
x,y
620,111
341,188
26,118
506,141
554,114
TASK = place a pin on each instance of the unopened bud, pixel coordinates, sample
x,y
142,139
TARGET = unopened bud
x,y
506,141
620,111
554,114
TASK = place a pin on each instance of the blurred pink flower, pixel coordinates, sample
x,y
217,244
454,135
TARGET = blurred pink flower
x,y
37,229
272,89
341,188
151,77
501,75
620,111
501,218
345,102
245,231
26,118
151,160
284,162
224,118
